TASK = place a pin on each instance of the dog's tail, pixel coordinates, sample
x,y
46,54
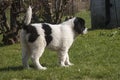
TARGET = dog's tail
x,y
28,16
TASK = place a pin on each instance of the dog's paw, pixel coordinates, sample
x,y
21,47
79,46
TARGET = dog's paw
x,y
69,64
62,65
65,65
42,68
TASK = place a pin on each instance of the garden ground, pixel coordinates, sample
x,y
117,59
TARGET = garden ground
x,y
96,56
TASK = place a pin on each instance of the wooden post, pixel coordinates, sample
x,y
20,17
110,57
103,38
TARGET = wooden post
x,y
105,13
98,13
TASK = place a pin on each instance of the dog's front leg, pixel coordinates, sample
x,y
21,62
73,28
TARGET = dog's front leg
x,y
25,56
67,61
62,57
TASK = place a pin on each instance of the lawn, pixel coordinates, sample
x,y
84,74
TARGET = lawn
x,y
96,56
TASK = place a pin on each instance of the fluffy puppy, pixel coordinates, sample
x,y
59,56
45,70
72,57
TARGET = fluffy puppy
x,y
35,37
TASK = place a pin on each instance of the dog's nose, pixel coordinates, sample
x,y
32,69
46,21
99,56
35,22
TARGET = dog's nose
x,y
85,31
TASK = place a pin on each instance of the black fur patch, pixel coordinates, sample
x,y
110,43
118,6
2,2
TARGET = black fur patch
x,y
48,32
79,25
33,33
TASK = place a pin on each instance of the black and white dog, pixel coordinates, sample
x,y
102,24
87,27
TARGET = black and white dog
x,y
36,37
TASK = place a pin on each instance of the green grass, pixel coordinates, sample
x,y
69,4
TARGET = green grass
x,y
96,56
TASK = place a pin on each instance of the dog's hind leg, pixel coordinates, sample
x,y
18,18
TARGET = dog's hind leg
x,y
25,56
35,56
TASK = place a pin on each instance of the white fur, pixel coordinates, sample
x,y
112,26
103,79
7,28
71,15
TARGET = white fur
x,y
28,16
63,37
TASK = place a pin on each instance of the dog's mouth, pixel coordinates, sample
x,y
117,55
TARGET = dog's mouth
x,y
85,31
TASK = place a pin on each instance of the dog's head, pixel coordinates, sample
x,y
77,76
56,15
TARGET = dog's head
x,y
79,26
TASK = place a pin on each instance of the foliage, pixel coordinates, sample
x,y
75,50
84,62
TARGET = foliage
x,y
43,11
95,57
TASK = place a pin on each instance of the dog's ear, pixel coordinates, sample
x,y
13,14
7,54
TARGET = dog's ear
x,y
79,25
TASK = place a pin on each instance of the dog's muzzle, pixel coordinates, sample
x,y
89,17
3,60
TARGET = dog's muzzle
x,y
85,31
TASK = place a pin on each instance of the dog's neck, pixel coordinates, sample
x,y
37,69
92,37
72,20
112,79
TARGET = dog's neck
x,y
69,22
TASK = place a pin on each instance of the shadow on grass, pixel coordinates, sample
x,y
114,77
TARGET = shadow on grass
x,y
15,68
